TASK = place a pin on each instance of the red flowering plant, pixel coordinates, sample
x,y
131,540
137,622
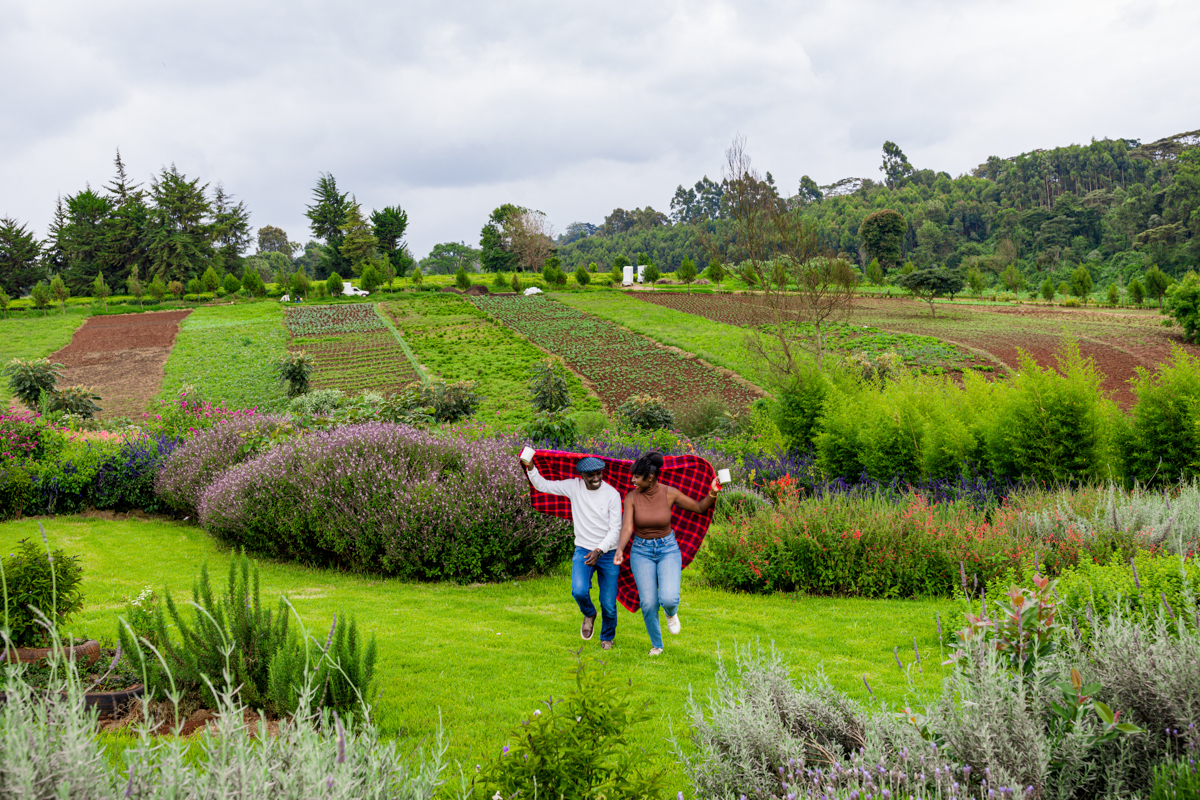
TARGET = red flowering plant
x,y
1023,630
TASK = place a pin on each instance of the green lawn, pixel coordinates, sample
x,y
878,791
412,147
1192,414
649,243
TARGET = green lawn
x,y
716,343
452,338
478,657
34,336
229,354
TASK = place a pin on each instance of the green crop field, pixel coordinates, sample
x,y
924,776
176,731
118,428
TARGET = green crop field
x,y
229,354
35,336
477,658
453,339
717,343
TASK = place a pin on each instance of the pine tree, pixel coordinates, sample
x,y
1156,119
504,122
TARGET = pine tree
x,y
59,291
358,243
327,214
19,257
179,236
231,229
100,289
389,226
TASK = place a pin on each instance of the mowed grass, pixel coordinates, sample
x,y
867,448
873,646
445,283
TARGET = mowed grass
x,y
717,343
453,339
478,658
36,336
229,353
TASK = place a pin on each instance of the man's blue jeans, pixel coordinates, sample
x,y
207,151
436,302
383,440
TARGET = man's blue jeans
x,y
581,588
656,565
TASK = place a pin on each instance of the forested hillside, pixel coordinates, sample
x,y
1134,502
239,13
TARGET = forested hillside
x,y
1115,205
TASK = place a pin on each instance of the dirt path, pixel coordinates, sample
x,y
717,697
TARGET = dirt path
x,y
121,357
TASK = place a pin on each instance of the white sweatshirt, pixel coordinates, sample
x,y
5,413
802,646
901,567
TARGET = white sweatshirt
x,y
595,514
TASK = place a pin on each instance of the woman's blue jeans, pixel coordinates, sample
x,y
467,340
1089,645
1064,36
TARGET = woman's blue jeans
x,y
581,588
656,565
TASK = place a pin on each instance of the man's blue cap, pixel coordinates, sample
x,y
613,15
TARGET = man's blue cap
x,y
589,464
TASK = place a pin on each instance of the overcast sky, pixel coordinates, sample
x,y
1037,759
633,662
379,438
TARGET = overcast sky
x,y
449,109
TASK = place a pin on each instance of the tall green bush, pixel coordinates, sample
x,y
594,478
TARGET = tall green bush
x,y
1053,425
30,378
1164,442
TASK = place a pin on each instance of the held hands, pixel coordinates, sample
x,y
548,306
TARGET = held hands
x,y
592,558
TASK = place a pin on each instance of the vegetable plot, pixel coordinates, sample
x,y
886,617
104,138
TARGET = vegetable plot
x,y
354,350
617,362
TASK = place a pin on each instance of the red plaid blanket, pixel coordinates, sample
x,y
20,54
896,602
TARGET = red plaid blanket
x,y
691,475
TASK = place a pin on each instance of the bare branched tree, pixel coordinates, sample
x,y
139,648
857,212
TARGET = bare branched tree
x,y
531,237
804,286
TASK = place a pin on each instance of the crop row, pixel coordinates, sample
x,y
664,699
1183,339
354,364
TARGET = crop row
x,y
360,361
327,320
617,362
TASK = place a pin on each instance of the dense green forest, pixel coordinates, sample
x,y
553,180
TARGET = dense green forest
x,y
1116,206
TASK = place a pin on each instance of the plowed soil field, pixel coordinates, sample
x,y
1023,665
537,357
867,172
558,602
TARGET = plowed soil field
x,y
353,349
616,362
121,357
1117,340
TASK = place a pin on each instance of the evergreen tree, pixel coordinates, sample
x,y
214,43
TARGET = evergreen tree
x,y
389,226
416,276
371,277
123,248
41,296
59,291
20,265
84,238
327,215
1047,289
179,235
210,281
158,289
334,284
358,243
274,240
5,301
101,290
135,288
461,279
231,230
1136,293
495,240
716,272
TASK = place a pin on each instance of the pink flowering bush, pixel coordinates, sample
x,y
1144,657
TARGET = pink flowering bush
x,y
388,498
192,467
188,415
20,435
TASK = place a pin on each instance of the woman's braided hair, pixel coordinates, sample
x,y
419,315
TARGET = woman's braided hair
x,y
648,465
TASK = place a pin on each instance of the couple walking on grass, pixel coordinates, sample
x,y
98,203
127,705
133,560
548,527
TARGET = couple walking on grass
x,y
664,523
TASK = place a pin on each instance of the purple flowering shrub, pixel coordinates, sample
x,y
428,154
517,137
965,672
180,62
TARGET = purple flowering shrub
x,y
388,498
193,466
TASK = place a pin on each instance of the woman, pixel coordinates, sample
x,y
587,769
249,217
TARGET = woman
x,y
654,558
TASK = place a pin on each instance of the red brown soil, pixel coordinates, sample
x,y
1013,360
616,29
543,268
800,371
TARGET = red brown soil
x,y
121,357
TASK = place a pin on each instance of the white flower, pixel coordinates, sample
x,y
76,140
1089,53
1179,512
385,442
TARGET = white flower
x,y
497,796
537,712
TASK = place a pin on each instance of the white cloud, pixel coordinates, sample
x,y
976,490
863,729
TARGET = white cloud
x,y
450,109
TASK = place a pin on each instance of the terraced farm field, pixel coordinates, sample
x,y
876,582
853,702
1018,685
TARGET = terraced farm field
x,y
353,348
616,362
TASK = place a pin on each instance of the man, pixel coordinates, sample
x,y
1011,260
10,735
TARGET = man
x,y
596,515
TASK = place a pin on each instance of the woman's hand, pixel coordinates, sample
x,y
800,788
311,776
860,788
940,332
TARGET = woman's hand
x,y
619,557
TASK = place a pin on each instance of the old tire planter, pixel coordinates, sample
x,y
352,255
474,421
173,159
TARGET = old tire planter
x,y
85,652
109,702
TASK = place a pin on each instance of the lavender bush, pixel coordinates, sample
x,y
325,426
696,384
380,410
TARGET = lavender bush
x,y
388,498
192,467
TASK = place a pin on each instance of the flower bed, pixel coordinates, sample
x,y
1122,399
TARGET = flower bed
x,y
388,498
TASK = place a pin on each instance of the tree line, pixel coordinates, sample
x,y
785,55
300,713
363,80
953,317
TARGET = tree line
x,y
177,230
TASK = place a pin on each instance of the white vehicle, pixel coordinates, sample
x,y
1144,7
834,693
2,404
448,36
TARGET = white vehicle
x,y
350,291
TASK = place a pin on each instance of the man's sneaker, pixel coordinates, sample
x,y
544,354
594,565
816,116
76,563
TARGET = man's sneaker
x,y
587,628
656,651
606,645
673,624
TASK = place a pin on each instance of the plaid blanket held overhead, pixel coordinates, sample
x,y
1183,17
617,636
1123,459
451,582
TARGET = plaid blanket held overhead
x,y
691,475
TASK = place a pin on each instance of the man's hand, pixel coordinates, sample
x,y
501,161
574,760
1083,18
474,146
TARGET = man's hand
x,y
592,558
526,467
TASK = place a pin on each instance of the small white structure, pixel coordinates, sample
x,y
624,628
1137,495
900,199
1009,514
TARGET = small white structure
x,y
627,276
350,291
285,299
641,273
532,290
